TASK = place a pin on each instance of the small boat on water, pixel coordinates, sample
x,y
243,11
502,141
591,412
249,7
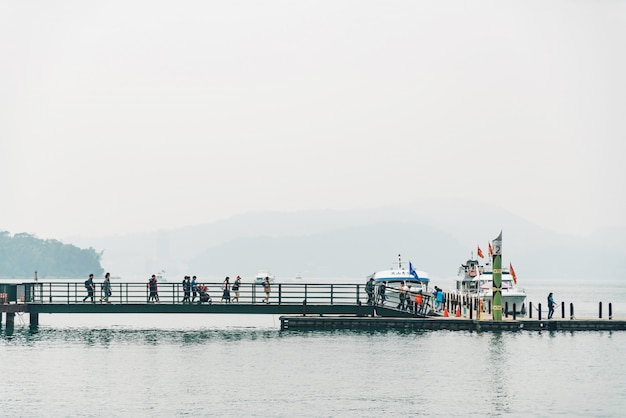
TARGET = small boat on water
x,y
476,280
261,275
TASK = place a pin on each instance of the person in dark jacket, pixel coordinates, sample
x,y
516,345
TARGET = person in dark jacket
x,y
90,288
551,305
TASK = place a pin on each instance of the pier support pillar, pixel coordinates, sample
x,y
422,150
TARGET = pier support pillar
x,y
34,319
10,319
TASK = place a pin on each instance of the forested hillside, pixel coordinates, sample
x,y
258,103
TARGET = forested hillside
x,y
23,254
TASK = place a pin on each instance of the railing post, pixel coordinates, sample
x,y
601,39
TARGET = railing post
x,y
332,289
600,310
280,293
530,310
539,314
506,309
562,309
571,311
514,313
610,310
358,298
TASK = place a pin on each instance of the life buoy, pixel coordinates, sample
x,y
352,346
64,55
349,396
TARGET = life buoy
x,y
472,273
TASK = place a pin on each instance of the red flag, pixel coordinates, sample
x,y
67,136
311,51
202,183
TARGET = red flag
x,y
512,273
480,252
490,250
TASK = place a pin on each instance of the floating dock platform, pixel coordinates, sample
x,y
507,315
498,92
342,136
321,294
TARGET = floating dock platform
x,y
452,324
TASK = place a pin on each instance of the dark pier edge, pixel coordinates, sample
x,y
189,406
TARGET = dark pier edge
x,y
435,324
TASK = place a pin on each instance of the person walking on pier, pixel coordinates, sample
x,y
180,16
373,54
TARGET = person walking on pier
x,y
551,305
418,302
401,295
381,292
106,288
90,288
226,289
236,287
267,288
186,289
194,289
409,299
152,287
369,288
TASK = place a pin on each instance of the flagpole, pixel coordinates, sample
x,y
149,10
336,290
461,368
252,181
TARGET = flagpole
x,y
497,278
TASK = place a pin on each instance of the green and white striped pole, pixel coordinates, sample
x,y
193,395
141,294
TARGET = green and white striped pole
x,y
497,278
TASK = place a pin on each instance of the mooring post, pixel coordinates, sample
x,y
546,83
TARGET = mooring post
x,y
539,314
610,310
600,310
571,311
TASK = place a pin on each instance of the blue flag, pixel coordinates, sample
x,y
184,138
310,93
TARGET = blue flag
x,y
411,271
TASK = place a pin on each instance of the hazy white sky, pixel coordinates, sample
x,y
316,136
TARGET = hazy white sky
x,y
124,116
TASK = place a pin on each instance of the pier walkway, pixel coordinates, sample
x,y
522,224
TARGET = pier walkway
x,y
301,306
284,299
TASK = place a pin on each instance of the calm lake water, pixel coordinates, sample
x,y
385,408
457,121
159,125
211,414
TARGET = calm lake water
x,y
238,365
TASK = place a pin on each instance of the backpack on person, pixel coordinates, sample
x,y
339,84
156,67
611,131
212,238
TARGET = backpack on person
x,y
87,286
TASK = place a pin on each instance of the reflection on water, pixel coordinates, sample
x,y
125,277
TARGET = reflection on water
x,y
497,372
145,370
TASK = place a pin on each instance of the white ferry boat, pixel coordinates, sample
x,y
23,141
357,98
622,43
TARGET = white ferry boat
x,y
416,278
392,279
476,280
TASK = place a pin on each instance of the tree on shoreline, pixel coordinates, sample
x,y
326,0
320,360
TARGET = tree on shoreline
x,y
22,254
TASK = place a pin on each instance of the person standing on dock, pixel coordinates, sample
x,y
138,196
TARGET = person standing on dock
x,y
236,287
440,298
369,288
267,289
90,288
194,289
551,305
226,289
106,288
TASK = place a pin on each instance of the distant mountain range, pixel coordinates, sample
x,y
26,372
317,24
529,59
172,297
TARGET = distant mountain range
x,y
353,244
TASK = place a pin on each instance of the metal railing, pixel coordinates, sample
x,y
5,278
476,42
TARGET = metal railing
x,y
173,293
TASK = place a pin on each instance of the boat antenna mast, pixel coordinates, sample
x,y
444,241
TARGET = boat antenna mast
x,y
399,262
